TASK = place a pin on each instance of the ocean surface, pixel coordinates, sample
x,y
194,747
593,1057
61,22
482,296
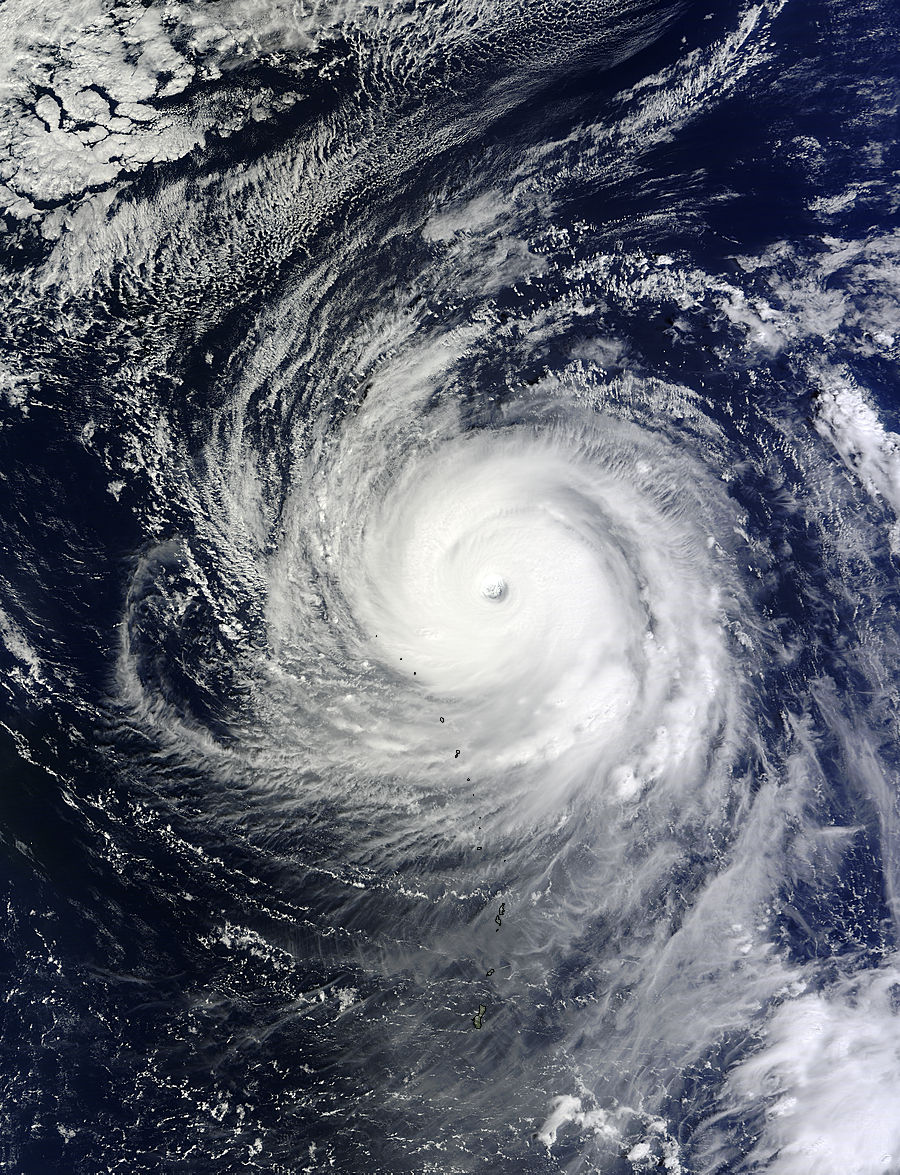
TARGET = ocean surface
x,y
449,552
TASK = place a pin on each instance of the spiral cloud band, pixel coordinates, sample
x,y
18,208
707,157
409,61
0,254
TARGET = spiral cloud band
x,y
546,584
450,601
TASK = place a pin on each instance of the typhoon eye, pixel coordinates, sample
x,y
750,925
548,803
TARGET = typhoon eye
x,y
494,587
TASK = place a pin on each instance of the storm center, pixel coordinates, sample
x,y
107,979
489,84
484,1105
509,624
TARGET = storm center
x,y
493,587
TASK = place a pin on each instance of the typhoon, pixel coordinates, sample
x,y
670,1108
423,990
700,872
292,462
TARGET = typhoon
x,y
449,548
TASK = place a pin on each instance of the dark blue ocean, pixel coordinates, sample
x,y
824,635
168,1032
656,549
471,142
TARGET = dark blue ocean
x,y
449,552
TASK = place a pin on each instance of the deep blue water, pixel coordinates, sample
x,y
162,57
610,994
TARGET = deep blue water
x,y
613,289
